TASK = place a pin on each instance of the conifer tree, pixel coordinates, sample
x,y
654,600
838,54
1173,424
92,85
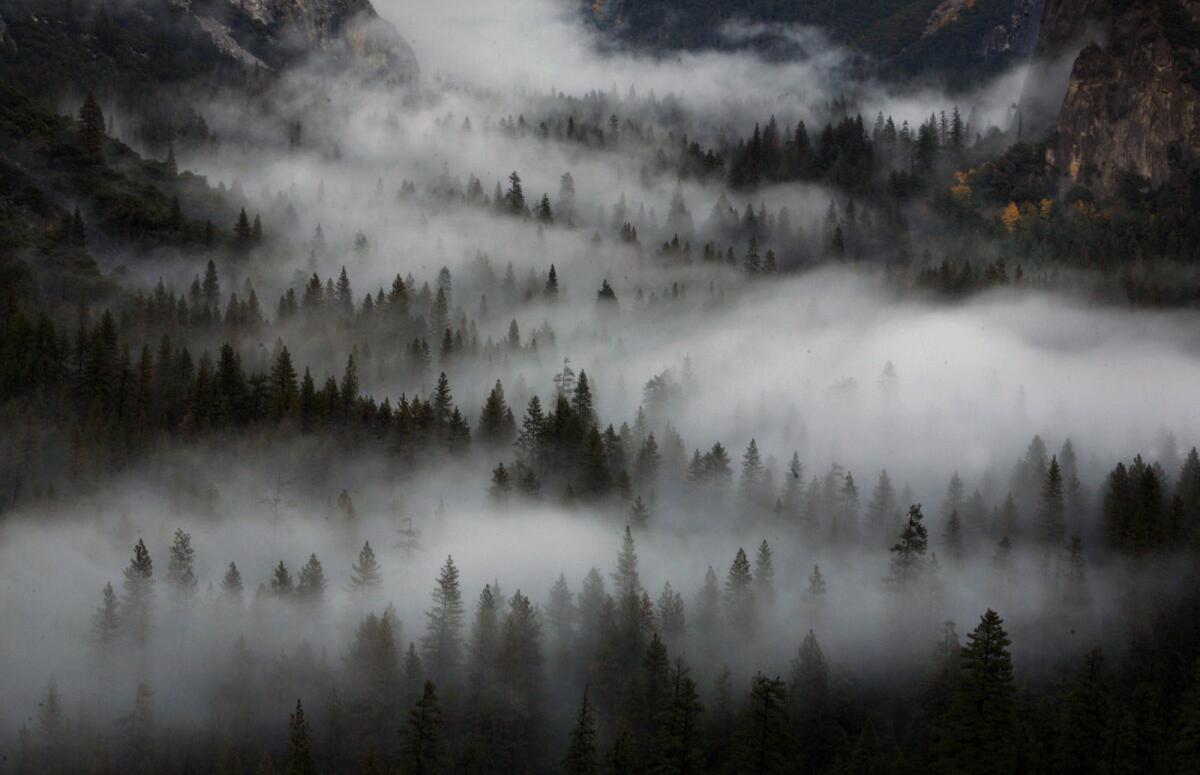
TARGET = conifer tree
x,y
501,484
680,742
908,554
626,575
231,585
810,704
752,473
739,594
299,753
514,197
639,514
281,581
762,741
106,622
708,602
648,462
670,613
442,645
243,235
495,421
1085,719
1051,510
311,585
981,736
817,586
953,536
580,758
366,573
764,574
422,750
137,604
91,126
181,573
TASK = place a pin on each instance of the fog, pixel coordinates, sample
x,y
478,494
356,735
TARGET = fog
x,y
831,363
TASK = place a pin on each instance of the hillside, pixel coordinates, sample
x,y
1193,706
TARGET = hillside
x,y
958,40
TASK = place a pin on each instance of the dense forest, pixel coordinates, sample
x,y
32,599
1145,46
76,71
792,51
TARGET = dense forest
x,y
588,412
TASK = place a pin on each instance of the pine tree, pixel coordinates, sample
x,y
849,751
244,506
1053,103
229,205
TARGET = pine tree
x,y
106,622
422,750
953,536
366,573
908,554
137,604
231,585
495,420
764,574
281,581
311,585
181,573
299,753
442,645
501,484
1051,510
1085,719
680,740
515,197
639,514
626,575
580,758
810,705
243,235
739,594
981,737
91,126
284,388
816,586
752,474
762,740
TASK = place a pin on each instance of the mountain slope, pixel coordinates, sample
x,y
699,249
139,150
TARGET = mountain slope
x,y
958,40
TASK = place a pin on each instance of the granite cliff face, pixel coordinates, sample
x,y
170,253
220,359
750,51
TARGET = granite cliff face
x,y
349,29
1132,103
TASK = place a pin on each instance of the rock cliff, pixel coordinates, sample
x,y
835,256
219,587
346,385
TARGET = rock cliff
x,y
1132,101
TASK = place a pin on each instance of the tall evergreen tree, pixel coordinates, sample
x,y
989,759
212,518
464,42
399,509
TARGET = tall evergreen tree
x,y
91,126
762,742
366,573
580,758
1051,509
983,724
442,645
422,749
181,573
739,595
299,754
137,604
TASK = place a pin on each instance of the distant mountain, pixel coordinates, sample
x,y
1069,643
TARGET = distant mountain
x,y
139,43
154,61
958,40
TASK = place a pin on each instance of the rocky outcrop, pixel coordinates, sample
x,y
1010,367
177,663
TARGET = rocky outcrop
x,y
347,30
1015,31
1133,97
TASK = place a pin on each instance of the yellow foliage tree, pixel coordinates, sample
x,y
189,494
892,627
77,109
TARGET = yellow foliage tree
x,y
1011,217
1046,209
962,192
